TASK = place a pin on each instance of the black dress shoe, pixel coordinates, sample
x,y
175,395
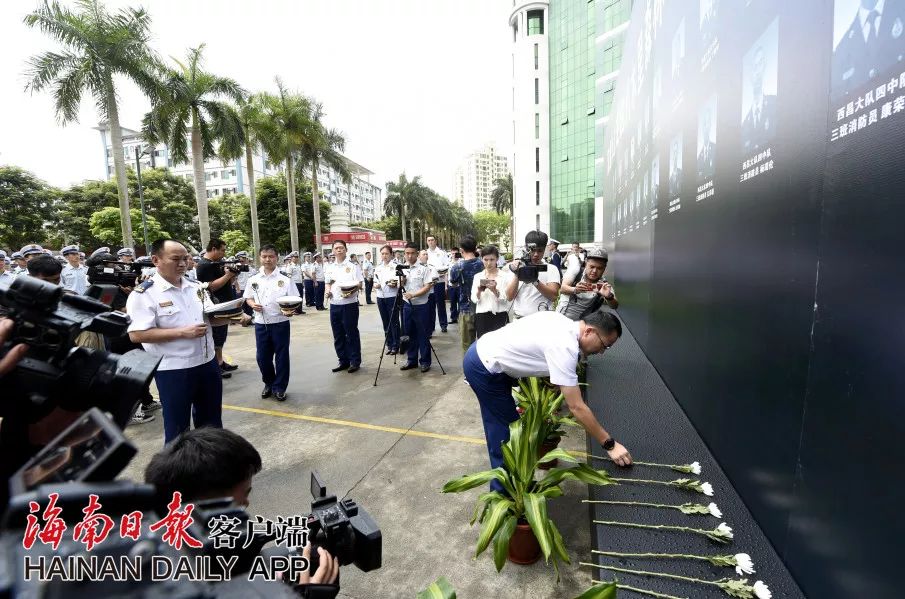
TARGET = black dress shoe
x,y
391,352
353,368
340,367
443,330
425,368
266,393
225,375
453,321
408,366
280,396
227,367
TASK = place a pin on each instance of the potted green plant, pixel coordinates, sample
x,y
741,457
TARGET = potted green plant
x,y
539,394
516,520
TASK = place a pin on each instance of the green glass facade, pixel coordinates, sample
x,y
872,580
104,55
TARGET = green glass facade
x,y
582,84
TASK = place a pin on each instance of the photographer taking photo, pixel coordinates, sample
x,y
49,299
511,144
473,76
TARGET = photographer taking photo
x,y
535,293
591,291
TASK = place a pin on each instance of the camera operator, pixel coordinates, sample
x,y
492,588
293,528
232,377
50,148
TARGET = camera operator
x,y
211,463
74,275
544,344
210,270
591,291
539,295
168,319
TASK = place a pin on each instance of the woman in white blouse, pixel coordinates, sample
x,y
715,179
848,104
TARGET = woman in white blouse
x,y
488,294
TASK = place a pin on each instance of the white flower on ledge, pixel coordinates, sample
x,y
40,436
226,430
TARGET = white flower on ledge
x,y
761,591
743,564
714,511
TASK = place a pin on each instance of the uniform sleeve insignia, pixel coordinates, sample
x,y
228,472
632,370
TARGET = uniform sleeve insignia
x,y
279,283
144,286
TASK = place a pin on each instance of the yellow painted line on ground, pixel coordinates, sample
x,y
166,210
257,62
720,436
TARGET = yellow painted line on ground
x,y
353,424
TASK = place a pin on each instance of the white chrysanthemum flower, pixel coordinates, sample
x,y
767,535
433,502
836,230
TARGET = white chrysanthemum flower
x,y
761,591
744,564
714,511
695,468
725,529
707,489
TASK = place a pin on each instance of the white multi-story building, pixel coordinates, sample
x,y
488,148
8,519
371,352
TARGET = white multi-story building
x,y
222,178
528,22
473,183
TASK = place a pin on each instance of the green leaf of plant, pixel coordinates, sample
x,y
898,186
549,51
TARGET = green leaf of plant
x,y
559,547
493,519
441,589
581,472
601,591
558,454
551,492
501,542
536,514
470,481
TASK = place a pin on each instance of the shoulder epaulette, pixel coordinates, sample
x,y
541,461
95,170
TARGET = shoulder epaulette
x,y
144,286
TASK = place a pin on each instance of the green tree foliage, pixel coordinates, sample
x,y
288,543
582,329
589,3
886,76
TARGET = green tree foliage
x,y
237,241
27,206
231,212
106,225
492,227
389,225
273,213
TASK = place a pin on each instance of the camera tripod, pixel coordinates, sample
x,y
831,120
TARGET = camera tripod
x,y
404,340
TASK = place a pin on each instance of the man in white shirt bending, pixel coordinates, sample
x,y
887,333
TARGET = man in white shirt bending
x,y
545,344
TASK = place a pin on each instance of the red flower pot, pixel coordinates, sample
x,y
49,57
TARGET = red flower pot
x,y
523,546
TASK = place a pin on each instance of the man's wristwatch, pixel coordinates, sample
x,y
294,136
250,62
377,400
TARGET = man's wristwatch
x,y
609,444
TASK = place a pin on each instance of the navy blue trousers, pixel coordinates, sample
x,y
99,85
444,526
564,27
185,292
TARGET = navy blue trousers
x,y
273,354
416,320
319,295
438,297
309,292
453,303
369,285
301,289
385,307
190,393
494,393
346,341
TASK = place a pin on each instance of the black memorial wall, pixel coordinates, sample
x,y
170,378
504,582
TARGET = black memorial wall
x,y
754,202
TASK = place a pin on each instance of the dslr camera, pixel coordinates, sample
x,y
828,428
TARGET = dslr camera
x,y
528,272
57,373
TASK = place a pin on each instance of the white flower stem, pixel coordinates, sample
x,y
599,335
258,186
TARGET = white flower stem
x,y
650,464
646,573
668,483
653,555
654,526
637,590
641,503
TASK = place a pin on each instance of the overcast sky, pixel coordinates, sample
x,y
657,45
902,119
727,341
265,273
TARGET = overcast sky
x,y
415,85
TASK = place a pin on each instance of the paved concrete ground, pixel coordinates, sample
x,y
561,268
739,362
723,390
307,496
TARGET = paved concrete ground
x,y
395,474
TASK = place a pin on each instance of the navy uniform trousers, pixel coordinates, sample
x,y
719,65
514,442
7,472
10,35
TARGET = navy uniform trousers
x,y
309,292
390,321
416,320
437,302
319,295
453,293
272,341
494,393
346,341
185,393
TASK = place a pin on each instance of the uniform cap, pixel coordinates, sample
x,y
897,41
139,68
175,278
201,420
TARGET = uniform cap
x,y
99,251
242,254
70,249
16,255
196,258
292,255
2,255
125,252
32,248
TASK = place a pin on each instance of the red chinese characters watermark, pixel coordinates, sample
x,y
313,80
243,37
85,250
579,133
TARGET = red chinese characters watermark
x,y
54,526
94,527
130,525
176,523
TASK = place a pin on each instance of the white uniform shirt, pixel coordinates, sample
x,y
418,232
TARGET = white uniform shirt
x,y
347,274
529,300
573,265
318,270
307,271
487,301
269,289
544,344
74,279
295,271
243,277
417,277
383,274
7,277
367,269
163,306
439,260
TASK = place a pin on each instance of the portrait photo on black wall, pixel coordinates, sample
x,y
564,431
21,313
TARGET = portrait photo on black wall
x,y
706,138
868,43
759,90
675,166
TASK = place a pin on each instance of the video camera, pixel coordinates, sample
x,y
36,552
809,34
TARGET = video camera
x,y
113,272
57,373
234,266
83,460
401,268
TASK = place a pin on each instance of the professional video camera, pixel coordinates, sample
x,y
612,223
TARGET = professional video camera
x,y
528,272
57,373
83,460
235,266
113,272
401,268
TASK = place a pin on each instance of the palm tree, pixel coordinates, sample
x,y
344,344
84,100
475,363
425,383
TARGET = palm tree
x,y
249,113
284,129
502,201
323,145
190,105
403,196
98,45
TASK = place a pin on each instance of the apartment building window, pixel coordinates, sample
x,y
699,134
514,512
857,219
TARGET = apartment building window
x,y
536,90
536,160
536,51
535,22
537,193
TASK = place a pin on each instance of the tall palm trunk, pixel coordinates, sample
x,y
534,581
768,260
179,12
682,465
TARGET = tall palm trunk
x,y
402,215
253,203
511,230
204,226
290,198
119,166
316,206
